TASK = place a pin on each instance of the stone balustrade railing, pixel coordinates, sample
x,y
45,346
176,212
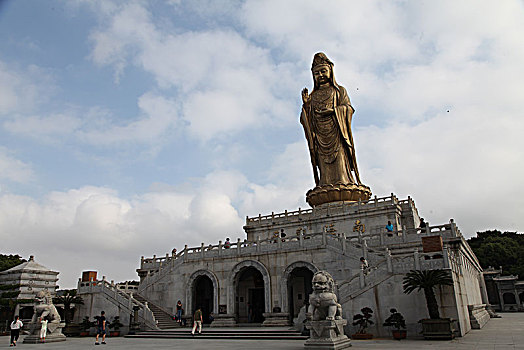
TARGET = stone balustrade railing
x,y
374,242
123,300
376,273
327,209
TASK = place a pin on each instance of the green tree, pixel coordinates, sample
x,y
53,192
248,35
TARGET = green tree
x,y
68,297
427,280
8,261
495,248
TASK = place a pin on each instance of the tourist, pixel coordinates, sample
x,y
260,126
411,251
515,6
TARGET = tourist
x,y
422,225
173,252
364,264
16,325
282,235
101,329
211,317
178,316
197,321
389,228
43,330
227,244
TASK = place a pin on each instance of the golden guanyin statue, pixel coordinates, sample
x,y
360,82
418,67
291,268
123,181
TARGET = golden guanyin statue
x,y
326,118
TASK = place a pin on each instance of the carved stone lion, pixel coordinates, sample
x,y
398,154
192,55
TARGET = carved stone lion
x,y
323,303
45,310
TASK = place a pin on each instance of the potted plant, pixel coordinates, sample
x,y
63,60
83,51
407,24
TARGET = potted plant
x,y
398,323
85,326
363,321
434,327
115,325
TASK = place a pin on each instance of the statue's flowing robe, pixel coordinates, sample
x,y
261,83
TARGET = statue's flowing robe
x,y
335,158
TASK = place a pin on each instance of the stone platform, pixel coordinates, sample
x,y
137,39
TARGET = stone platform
x,y
499,333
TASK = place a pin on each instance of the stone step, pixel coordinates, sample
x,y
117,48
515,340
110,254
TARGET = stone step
x,y
229,334
164,320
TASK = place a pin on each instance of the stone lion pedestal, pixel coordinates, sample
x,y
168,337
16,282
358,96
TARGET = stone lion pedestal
x,y
44,309
34,337
327,334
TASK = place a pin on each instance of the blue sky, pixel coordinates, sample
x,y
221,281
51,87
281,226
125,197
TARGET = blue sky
x,y
128,128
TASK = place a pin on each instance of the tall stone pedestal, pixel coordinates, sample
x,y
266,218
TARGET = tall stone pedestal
x,y
327,335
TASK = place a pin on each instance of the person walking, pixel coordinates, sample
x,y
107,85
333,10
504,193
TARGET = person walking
x,y
197,321
101,329
16,325
179,311
43,330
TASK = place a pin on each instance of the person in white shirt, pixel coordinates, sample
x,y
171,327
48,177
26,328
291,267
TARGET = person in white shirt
x,y
16,325
43,330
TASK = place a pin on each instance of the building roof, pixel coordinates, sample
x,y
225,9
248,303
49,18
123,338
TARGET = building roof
x,y
29,265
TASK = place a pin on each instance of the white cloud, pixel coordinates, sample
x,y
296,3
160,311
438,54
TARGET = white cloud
x,y
19,91
224,81
13,169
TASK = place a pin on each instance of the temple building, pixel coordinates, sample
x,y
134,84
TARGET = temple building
x,y
29,278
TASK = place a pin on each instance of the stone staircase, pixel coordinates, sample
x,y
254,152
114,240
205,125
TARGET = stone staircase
x,y
164,320
230,333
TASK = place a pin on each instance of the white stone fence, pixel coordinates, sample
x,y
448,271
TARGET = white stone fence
x,y
366,241
397,265
363,244
123,300
328,209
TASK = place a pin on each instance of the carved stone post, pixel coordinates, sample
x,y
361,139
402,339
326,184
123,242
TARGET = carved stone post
x,y
388,261
445,256
416,257
365,249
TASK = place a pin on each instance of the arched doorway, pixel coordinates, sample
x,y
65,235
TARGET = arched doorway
x,y
203,296
250,296
298,290
509,298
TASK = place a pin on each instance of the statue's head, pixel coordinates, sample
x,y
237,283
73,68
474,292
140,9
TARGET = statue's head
x,y
43,297
322,69
322,282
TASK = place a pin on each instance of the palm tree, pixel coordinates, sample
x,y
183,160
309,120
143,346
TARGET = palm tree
x,y
427,280
67,298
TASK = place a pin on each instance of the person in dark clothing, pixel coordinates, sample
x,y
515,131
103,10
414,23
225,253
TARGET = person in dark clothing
x,y
178,311
422,225
101,328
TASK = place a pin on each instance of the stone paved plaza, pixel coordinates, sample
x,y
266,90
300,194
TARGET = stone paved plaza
x,y
503,333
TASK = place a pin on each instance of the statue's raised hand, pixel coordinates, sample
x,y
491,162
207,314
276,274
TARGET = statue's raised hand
x,y
305,96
